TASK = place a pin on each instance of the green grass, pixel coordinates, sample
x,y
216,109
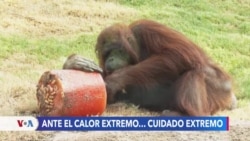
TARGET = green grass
x,y
47,49
221,28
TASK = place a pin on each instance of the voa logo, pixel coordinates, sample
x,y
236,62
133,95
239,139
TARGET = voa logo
x,y
25,123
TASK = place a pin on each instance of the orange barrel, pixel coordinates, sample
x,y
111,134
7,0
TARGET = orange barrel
x,y
71,93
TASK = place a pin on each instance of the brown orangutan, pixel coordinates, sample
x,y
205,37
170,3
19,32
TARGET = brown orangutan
x,y
158,68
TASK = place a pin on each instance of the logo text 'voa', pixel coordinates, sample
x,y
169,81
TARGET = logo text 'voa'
x,y
25,123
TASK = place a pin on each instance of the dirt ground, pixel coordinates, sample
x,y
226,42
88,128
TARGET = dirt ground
x,y
239,130
56,18
241,135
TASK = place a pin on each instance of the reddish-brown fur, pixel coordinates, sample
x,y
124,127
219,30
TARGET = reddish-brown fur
x,y
169,71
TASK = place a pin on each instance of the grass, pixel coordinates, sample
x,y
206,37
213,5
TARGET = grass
x,y
221,28
36,36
